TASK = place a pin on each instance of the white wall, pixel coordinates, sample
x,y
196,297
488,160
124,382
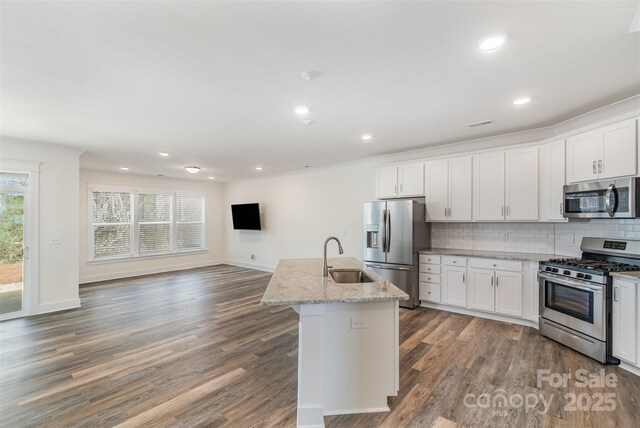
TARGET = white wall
x,y
58,216
299,211
103,270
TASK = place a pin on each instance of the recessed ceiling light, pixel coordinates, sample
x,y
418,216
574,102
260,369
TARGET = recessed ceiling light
x,y
366,137
301,110
307,122
258,168
492,42
192,169
309,74
164,154
124,168
521,101
210,178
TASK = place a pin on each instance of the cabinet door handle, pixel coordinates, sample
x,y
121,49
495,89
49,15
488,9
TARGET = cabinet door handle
x,y
395,188
600,166
464,278
401,188
492,281
561,208
595,170
449,212
507,210
615,294
502,211
497,281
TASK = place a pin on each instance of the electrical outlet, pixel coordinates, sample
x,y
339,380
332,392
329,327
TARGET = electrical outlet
x,y
55,240
253,256
505,236
343,232
357,323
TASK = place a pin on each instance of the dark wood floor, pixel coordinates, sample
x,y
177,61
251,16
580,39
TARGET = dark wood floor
x,y
194,348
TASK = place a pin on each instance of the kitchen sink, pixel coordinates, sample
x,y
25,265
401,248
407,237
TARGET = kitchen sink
x,y
349,276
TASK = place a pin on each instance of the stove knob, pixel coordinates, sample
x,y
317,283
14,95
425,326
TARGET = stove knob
x,y
555,270
567,272
580,275
587,277
548,269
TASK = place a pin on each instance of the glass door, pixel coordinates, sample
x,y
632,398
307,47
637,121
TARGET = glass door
x,y
13,189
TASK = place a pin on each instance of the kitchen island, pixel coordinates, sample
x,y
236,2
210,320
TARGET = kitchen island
x,y
348,354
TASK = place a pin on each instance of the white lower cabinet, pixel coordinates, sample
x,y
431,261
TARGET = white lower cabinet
x,y
481,294
626,328
495,291
494,286
454,285
509,293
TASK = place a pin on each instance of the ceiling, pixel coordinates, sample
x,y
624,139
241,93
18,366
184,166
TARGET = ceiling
x,y
215,83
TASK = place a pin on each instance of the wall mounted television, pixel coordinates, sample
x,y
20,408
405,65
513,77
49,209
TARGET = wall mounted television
x,y
246,216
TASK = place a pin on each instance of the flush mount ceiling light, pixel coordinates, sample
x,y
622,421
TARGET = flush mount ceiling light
x,y
258,168
521,101
307,122
309,74
301,110
164,154
124,168
192,169
492,42
211,178
366,137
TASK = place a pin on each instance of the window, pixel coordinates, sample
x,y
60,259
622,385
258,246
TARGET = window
x,y
132,223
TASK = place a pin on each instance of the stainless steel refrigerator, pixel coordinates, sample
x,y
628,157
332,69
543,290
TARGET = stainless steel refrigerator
x,y
394,232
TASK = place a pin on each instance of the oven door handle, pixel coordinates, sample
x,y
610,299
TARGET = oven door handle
x,y
562,280
607,200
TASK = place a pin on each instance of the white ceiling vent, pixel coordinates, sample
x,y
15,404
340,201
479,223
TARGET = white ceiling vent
x,y
481,123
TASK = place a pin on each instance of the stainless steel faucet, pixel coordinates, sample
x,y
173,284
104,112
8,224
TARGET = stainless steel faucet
x,y
325,268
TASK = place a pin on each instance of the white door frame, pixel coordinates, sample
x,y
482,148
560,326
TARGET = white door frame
x,y
31,193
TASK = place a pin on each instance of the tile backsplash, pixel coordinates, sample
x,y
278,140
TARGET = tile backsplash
x,y
543,238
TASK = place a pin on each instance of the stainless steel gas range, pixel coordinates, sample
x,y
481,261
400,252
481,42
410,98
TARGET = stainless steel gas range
x,y
576,295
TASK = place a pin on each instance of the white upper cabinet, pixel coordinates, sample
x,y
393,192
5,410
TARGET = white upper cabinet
x,y
552,180
400,181
505,185
618,155
521,191
448,189
411,180
488,186
436,189
606,152
460,189
582,156
387,182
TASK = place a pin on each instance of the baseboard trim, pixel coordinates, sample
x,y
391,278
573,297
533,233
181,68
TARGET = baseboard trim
x,y
61,305
355,411
147,271
631,369
495,317
255,266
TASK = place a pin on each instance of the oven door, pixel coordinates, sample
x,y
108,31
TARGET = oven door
x,y
601,199
573,304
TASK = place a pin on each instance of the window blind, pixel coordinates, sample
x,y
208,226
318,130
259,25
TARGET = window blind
x,y
154,223
112,224
189,222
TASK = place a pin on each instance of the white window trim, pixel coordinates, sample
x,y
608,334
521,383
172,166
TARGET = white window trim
x,y
135,224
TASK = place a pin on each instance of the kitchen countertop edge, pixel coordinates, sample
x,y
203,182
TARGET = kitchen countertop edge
x,y
503,255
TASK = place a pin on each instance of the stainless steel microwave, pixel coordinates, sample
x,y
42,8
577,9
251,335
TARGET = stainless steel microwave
x,y
619,198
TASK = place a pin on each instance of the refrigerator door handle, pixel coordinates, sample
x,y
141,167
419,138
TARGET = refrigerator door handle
x,y
384,231
388,233
387,267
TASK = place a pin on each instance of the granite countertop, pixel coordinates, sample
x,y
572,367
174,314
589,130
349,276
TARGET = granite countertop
x,y
505,255
300,281
634,276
